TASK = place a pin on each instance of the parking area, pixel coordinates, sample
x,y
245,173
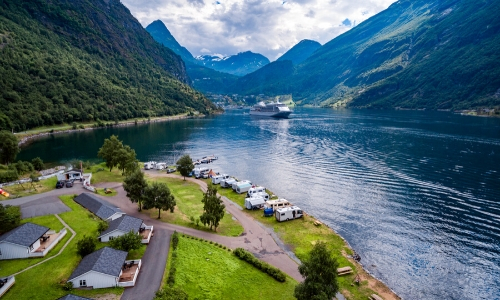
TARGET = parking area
x,y
44,206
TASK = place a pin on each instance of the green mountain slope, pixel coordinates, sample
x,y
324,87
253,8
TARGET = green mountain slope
x,y
162,35
83,60
208,80
270,79
415,54
300,52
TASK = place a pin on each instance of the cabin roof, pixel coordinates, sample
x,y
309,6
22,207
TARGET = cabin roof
x,y
24,235
124,223
105,260
98,206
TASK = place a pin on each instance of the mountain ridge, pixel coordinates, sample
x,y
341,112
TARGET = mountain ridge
x,y
300,51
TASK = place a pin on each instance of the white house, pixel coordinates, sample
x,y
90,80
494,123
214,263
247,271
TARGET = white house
x,y
73,174
125,224
99,207
104,268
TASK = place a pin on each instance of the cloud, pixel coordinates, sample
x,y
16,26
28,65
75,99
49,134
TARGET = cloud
x,y
205,50
269,27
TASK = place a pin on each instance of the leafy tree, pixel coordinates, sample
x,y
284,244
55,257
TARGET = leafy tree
x,y
135,185
8,147
102,226
126,159
10,217
158,196
213,208
185,165
320,275
171,293
86,245
109,151
37,163
22,167
5,123
127,242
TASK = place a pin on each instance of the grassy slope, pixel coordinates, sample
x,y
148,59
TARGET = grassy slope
x,y
41,187
188,196
205,271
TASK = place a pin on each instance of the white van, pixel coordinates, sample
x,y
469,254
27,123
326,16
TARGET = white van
x,y
227,182
288,213
276,204
254,203
255,190
217,179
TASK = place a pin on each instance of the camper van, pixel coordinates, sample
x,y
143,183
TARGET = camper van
x,y
227,182
255,190
243,187
276,204
288,213
198,172
149,165
260,195
160,166
235,185
254,203
217,179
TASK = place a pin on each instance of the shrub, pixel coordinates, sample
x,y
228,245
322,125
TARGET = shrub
x,y
175,240
103,225
73,125
86,245
81,126
8,176
171,293
127,242
263,266
10,217
68,286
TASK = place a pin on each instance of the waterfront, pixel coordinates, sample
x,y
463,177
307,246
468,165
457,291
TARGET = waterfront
x,y
416,194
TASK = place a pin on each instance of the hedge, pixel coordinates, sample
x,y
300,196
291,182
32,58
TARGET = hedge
x,y
263,266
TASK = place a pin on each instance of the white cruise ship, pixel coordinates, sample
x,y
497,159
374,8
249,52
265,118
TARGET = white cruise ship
x,y
275,110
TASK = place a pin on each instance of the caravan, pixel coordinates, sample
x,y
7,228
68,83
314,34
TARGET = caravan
x,y
235,185
161,166
198,172
260,195
255,190
243,187
149,165
276,204
227,182
254,203
217,179
288,213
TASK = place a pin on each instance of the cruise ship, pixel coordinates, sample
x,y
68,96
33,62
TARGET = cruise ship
x,y
275,110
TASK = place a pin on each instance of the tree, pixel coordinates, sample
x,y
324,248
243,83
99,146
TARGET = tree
x,y
37,163
185,165
171,293
8,147
135,185
10,217
103,225
86,245
320,275
213,208
158,196
125,159
127,242
109,150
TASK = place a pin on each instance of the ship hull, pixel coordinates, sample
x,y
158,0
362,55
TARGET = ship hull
x,y
276,114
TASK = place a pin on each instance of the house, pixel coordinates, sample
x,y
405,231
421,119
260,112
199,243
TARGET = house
x,y
28,240
5,284
73,297
104,268
125,224
74,174
99,207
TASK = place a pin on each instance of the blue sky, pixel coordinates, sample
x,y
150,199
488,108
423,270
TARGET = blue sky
x,y
267,27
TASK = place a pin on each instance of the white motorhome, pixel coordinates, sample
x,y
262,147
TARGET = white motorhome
x,y
254,203
198,172
260,195
217,179
288,213
255,190
227,182
276,204
243,187
149,165
235,185
161,166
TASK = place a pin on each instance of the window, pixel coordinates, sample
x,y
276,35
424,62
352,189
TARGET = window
x,y
283,214
111,237
83,282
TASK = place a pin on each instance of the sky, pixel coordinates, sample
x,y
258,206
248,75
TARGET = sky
x,y
268,27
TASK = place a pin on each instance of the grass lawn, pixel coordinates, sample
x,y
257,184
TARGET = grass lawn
x,y
102,193
45,281
27,189
188,196
136,254
101,173
205,271
301,235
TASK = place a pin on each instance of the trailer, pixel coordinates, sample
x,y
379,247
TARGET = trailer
x,y
217,179
260,195
235,185
149,165
243,188
160,166
288,213
198,172
227,183
254,203
276,204
256,189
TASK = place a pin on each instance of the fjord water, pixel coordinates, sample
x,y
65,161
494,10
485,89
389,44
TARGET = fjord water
x,y
416,194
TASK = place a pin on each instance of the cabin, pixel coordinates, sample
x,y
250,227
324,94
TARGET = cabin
x,y
74,174
99,207
5,284
125,224
106,267
28,240
288,213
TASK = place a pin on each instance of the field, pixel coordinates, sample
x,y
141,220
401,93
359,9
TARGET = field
x,y
27,189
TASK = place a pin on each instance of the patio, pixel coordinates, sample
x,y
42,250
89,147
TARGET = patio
x,y
45,242
130,271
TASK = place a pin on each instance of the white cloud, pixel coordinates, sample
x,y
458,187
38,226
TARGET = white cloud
x,y
268,27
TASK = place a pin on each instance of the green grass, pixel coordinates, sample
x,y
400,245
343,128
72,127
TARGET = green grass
x,y
101,173
188,196
27,189
136,254
102,193
206,271
45,281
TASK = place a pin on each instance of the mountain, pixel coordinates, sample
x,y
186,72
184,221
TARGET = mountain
x,y
85,60
208,80
162,35
239,64
265,80
300,52
415,54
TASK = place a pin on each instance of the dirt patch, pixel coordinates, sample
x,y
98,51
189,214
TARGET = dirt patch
x,y
108,297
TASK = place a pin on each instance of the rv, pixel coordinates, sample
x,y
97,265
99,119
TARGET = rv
x,y
198,172
243,188
235,185
288,213
217,179
260,195
255,190
160,166
254,203
276,204
149,165
227,182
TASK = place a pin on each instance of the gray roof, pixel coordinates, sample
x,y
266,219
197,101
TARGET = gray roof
x,y
124,223
73,297
24,235
105,260
99,207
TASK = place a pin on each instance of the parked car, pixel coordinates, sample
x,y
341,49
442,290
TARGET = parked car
x,y
171,170
60,184
69,183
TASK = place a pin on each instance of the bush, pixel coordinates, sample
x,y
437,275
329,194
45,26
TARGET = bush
x,y
81,126
86,245
175,240
68,286
8,176
10,217
127,242
170,293
73,125
103,225
37,163
263,266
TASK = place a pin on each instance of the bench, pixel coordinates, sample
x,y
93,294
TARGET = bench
x,y
344,271
375,297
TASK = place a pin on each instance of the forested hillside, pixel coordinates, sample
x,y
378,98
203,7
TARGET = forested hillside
x,y
162,35
84,60
300,52
415,54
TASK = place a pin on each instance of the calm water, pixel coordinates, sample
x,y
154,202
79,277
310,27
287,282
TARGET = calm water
x,y
416,194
